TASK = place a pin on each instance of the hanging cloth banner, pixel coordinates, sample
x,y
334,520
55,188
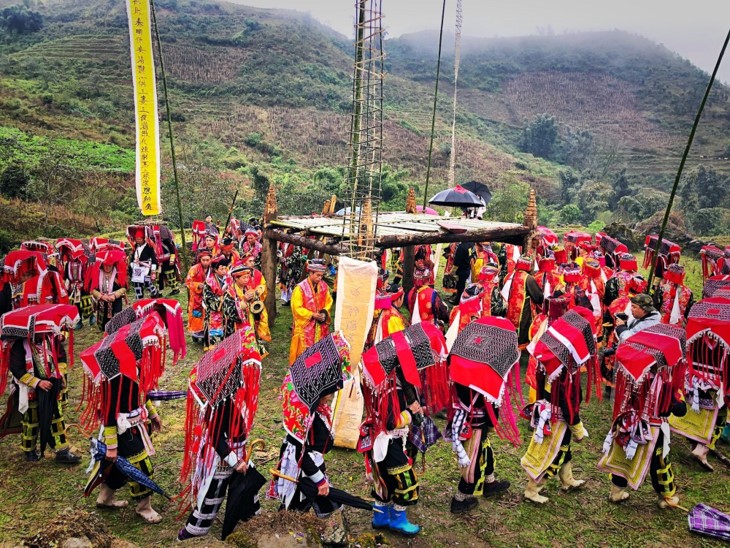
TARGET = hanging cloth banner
x,y
145,107
356,284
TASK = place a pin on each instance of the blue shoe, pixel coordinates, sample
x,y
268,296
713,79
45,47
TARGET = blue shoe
x,y
400,524
381,517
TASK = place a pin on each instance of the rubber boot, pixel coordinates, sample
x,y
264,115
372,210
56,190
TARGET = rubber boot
x,y
532,492
567,481
492,488
461,506
400,524
146,512
381,516
699,453
667,502
106,498
618,494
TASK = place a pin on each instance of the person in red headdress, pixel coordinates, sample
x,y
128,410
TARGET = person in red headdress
x,y
482,256
240,308
44,288
215,287
143,266
251,243
107,283
210,242
493,304
228,250
522,293
672,298
311,303
424,303
562,352
195,281
618,285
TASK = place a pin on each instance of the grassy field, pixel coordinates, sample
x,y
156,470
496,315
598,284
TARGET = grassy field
x,y
33,494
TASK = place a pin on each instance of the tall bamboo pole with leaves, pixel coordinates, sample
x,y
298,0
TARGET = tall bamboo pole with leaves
x,y
184,253
684,157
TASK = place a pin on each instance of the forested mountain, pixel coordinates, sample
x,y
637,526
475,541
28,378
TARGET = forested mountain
x,y
596,122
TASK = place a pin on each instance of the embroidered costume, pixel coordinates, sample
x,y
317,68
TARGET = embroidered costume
x,y
649,374
32,350
222,402
309,297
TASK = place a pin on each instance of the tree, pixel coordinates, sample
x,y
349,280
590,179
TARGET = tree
x,y
540,137
576,147
570,214
621,185
14,181
569,183
711,221
593,198
509,204
20,20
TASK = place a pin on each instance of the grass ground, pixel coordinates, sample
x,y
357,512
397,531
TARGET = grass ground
x,y
34,494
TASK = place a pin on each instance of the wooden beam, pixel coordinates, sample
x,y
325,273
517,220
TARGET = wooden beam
x,y
269,259
303,241
510,235
409,256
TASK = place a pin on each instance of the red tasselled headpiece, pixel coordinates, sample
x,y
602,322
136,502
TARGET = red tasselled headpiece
x,y
674,274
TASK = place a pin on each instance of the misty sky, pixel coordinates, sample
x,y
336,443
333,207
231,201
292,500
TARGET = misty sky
x,y
695,29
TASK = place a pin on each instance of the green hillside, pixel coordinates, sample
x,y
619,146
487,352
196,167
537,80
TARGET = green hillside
x,y
595,122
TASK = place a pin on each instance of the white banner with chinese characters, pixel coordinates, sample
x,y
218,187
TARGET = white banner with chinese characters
x,y
145,107
356,282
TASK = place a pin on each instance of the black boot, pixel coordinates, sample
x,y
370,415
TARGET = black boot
x,y
65,456
461,506
495,488
32,456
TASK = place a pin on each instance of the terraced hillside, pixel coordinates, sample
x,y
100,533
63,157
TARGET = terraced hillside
x,y
271,89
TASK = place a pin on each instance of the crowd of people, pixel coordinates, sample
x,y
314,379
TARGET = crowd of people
x,y
568,310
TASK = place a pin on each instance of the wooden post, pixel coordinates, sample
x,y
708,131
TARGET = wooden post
x,y
269,257
411,201
529,247
409,257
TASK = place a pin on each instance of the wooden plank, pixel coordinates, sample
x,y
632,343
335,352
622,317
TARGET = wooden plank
x,y
512,234
298,239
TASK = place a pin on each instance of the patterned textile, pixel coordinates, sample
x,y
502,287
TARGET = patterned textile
x,y
415,348
483,355
660,344
568,342
36,319
318,371
125,317
121,351
217,376
711,315
706,520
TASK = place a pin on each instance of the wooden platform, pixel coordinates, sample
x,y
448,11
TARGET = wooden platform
x,y
393,230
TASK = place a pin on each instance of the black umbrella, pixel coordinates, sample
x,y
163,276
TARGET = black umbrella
x,y
241,505
456,197
310,490
480,189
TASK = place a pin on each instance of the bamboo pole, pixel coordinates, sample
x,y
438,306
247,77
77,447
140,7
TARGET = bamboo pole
x,y
435,99
186,264
660,237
